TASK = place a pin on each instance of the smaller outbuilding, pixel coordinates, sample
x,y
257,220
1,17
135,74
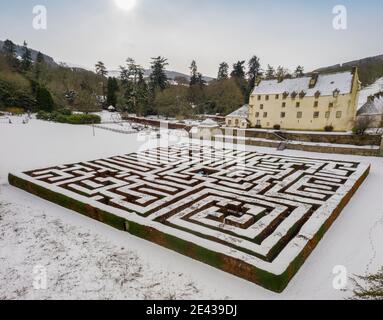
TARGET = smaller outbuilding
x,y
372,111
239,118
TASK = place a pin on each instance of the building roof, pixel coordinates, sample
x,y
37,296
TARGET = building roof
x,y
242,112
373,106
326,84
208,123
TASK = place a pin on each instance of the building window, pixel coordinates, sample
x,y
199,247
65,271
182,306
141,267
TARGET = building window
x,y
236,122
327,115
283,104
277,97
257,114
229,122
331,104
261,106
316,104
299,115
265,114
339,114
283,114
259,98
298,104
267,98
316,115
258,123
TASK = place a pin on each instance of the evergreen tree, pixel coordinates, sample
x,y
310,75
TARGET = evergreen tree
x,y
238,74
223,71
270,72
299,72
193,73
39,66
134,87
101,69
9,48
238,70
40,58
112,89
158,79
26,59
44,99
254,71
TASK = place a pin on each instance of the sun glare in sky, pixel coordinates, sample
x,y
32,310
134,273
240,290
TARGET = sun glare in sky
x,y
126,5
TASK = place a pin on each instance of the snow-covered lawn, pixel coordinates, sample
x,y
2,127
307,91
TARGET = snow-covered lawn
x,y
86,259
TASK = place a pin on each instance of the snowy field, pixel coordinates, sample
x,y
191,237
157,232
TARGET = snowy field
x,y
86,259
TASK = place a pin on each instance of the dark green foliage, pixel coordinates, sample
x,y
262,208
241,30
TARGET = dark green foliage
x,y
223,71
238,70
9,48
66,116
112,88
158,78
368,287
40,58
254,71
26,59
101,69
44,99
12,95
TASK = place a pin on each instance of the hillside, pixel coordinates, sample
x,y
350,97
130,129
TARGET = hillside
x,y
370,69
19,52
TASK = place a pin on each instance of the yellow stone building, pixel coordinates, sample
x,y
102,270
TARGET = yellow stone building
x,y
310,103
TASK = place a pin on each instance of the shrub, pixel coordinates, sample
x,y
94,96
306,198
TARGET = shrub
x,y
57,116
277,127
42,115
65,112
83,119
329,128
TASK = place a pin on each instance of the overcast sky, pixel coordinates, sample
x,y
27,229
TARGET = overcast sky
x,y
280,32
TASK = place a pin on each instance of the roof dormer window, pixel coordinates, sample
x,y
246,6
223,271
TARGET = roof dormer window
x,y
336,93
317,94
294,95
302,94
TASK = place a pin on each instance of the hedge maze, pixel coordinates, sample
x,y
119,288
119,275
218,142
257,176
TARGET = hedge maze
x,y
254,215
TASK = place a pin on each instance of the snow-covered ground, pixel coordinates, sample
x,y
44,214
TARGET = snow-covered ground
x,y
86,259
370,90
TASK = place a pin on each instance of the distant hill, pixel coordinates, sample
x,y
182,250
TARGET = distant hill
x,y
19,52
172,75
370,69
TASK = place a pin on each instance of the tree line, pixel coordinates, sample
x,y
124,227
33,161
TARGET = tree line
x,y
159,96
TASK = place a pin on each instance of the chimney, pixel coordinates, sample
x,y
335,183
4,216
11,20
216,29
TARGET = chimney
x,y
313,80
